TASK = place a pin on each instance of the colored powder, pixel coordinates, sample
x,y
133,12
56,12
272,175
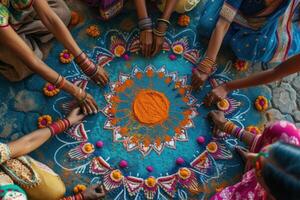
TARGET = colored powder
x,y
151,107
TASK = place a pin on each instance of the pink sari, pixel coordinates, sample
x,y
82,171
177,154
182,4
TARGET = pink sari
x,y
248,188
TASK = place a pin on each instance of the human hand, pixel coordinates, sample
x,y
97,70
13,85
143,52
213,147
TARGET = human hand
x,y
146,40
198,79
94,192
75,116
157,44
218,118
87,103
217,94
245,154
101,77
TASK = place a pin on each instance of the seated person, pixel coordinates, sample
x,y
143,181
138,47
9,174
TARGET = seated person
x,y
36,179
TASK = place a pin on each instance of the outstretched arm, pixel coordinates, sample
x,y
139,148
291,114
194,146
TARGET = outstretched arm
x,y
145,26
205,67
32,141
162,26
169,8
141,9
290,66
63,35
286,68
56,26
10,39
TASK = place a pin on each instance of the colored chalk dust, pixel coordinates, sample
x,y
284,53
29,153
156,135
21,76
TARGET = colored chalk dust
x,y
152,139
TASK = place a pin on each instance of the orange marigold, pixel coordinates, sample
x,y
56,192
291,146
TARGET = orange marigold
x,y
44,121
183,20
261,103
93,31
50,90
65,56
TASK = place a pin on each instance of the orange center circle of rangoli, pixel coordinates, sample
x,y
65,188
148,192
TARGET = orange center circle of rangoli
x,y
151,107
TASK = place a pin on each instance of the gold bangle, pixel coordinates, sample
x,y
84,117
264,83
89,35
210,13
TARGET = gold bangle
x,y
158,33
163,20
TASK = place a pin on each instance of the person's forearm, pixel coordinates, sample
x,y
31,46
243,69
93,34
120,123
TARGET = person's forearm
x,y
29,142
56,26
286,68
216,39
10,40
141,9
169,8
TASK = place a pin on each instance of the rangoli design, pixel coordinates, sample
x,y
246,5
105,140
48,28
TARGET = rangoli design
x,y
148,107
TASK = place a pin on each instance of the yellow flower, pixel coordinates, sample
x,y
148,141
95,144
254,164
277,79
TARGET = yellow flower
x,y
223,105
178,49
150,182
88,148
116,175
79,188
184,173
119,50
212,147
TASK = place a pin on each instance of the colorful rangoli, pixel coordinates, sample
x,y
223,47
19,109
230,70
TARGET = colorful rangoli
x,y
149,106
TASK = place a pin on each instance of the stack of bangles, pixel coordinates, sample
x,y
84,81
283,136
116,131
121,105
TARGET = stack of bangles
x,y
59,82
59,126
78,196
207,65
145,24
234,130
87,66
160,33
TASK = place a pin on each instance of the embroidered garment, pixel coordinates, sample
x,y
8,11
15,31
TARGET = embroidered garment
x,y
107,8
12,192
248,188
11,11
265,31
20,15
34,177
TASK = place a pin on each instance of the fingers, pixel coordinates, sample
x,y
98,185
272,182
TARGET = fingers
x,y
88,107
83,108
155,51
92,107
196,80
211,114
148,50
209,99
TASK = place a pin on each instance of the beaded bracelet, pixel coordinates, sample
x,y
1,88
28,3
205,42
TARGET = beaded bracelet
x,y
59,126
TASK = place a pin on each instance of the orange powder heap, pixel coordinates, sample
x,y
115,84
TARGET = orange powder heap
x,y
151,107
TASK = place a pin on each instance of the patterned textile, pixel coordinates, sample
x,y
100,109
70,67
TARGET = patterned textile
x,y
4,153
248,188
12,11
259,31
12,192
